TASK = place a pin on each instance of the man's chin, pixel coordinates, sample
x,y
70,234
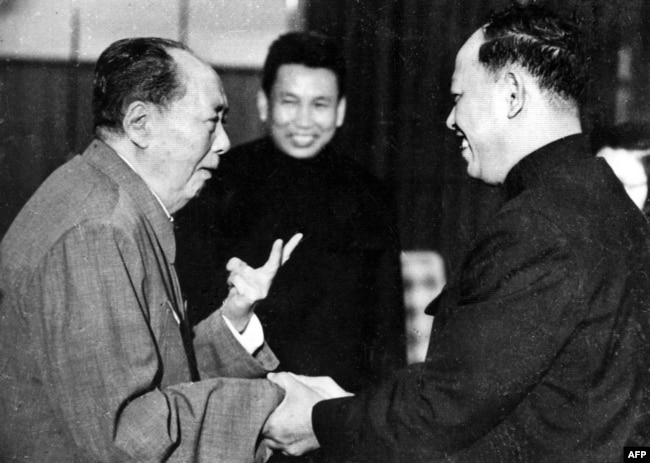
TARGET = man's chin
x,y
302,152
473,173
195,192
199,190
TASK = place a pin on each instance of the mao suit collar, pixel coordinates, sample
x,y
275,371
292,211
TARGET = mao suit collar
x,y
534,169
105,159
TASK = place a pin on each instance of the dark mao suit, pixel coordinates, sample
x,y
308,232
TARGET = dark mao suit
x,y
336,307
539,347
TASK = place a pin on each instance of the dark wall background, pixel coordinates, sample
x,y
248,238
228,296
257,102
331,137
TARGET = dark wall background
x,y
401,56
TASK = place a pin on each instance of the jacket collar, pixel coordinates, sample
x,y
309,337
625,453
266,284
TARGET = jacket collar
x,y
324,158
533,169
106,160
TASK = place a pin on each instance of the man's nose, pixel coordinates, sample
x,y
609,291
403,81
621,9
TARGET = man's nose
x,y
303,116
221,142
451,119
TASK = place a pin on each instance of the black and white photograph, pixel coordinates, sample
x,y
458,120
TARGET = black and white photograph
x,y
323,231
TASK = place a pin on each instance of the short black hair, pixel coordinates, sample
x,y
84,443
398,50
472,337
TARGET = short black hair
x,y
309,48
551,49
134,69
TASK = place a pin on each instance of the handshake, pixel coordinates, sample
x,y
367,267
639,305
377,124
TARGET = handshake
x,y
289,428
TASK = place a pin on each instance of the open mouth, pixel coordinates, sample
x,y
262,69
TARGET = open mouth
x,y
464,144
302,140
210,167
207,171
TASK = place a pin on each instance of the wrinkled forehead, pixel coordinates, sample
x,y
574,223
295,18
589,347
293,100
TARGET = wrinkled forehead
x,y
468,53
318,78
467,58
214,85
211,92
202,82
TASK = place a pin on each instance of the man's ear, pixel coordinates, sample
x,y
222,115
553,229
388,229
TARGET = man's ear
x,y
516,92
137,123
340,112
262,105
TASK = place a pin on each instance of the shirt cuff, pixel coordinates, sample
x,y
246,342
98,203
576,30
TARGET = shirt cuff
x,y
252,338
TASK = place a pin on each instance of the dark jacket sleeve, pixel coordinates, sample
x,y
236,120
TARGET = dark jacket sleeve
x,y
503,321
388,337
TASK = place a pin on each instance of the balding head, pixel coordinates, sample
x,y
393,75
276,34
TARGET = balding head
x,y
134,69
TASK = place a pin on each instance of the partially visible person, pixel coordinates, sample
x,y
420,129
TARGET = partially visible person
x,y
98,359
336,308
626,148
539,349
424,278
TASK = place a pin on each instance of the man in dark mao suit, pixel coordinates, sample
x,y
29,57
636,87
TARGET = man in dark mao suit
x,y
539,349
343,284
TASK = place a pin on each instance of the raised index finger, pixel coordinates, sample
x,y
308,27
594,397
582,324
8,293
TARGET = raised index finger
x,y
290,246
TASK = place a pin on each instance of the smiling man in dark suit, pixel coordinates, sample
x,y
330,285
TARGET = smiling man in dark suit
x,y
337,308
539,349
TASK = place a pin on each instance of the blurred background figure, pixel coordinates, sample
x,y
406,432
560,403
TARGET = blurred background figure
x,y
337,310
626,148
424,277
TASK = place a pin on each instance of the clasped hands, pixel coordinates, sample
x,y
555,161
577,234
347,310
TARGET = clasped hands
x,y
249,285
289,428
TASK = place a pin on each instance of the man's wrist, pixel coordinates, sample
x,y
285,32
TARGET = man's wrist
x,y
238,312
